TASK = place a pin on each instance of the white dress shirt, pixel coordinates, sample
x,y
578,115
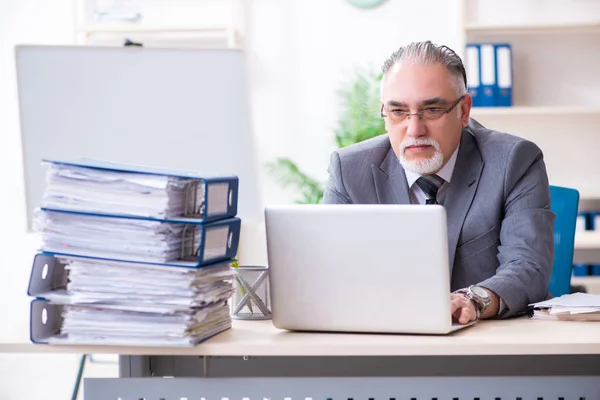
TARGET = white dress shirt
x,y
417,196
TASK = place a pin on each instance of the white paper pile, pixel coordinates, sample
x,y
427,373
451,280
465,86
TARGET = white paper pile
x,y
110,237
569,307
121,303
103,191
133,280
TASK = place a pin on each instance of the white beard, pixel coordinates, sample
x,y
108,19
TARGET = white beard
x,y
424,166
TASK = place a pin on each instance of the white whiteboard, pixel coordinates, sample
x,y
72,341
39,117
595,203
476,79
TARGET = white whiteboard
x,y
174,108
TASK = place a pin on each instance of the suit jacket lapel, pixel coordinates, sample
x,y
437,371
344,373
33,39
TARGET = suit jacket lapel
x,y
461,189
390,181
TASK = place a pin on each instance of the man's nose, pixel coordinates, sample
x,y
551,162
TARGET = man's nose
x,y
415,126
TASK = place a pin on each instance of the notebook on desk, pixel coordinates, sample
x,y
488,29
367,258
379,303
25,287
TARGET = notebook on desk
x,y
359,268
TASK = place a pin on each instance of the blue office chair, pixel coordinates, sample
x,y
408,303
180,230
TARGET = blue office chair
x,y
564,202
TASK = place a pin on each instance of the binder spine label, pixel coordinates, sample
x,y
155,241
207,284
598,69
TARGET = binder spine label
x,y
219,199
504,78
504,68
216,243
488,75
473,74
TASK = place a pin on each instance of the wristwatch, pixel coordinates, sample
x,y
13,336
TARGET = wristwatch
x,y
479,297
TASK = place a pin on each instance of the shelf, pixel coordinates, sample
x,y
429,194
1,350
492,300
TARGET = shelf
x,y
587,240
587,247
221,35
559,111
589,204
591,283
122,28
533,28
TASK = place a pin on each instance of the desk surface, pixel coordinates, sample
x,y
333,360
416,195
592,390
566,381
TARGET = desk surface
x,y
259,338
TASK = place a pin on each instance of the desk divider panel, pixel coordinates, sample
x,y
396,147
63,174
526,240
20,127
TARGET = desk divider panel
x,y
439,388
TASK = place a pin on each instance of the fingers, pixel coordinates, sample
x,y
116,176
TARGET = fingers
x,y
466,315
462,309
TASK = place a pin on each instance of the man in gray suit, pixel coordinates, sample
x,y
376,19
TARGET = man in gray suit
x,y
493,186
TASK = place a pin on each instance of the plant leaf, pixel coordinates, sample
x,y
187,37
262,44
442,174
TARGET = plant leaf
x,y
360,109
359,120
289,174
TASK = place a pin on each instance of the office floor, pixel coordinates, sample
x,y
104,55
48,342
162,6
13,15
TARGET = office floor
x,y
48,377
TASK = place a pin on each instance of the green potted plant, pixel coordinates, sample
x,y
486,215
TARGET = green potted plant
x,y
359,120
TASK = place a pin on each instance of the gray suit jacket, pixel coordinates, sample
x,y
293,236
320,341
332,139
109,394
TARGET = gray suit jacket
x,y
500,227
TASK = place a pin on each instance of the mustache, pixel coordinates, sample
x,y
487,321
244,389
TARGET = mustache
x,y
419,142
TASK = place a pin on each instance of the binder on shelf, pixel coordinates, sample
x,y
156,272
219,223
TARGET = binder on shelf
x,y
473,68
101,186
488,74
581,270
593,222
504,75
184,242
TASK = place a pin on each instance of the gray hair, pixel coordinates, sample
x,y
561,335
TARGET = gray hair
x,y
430,54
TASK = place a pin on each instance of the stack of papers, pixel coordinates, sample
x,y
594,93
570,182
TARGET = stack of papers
x,y
97,325
138,256
110,237
121,303
84,189
569,307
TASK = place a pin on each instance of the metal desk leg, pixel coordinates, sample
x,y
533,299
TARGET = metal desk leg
x,y
134,367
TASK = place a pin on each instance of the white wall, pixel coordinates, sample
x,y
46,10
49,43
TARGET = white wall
x,y
555,70
20,21
302,51
299,52
44,22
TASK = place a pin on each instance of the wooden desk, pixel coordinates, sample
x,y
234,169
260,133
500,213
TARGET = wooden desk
x,y
493,359
521,336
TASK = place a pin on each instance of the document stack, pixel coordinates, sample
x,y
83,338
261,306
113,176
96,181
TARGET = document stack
x,y
133,255
568,307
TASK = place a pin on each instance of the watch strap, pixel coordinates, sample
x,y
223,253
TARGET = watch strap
x,y
479,304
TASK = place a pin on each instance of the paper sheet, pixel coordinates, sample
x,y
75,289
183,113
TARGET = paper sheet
x,y
570,307
88,189
571,300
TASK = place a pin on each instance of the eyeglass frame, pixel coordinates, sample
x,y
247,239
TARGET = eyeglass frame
x,y
420,113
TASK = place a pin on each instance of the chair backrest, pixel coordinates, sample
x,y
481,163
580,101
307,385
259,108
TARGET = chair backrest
x,y
564,202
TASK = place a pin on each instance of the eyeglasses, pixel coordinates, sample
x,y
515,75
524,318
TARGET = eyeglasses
x,y
428,114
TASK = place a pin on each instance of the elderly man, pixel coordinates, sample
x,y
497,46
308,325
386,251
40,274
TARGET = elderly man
x,y
493,185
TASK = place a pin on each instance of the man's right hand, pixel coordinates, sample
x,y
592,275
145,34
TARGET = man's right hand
x,y
462,309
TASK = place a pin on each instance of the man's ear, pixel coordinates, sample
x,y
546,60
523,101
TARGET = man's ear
x,y
385,122
465,109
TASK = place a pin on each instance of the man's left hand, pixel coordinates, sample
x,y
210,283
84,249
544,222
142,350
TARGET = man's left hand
x,y
463,310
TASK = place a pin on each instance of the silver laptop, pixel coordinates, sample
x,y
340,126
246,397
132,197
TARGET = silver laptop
x,y
359,268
